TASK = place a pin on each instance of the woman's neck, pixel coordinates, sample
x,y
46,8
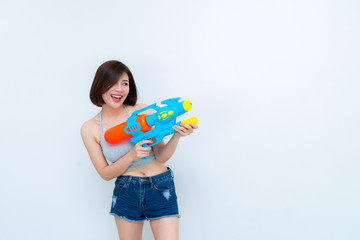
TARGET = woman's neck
x,y
112,113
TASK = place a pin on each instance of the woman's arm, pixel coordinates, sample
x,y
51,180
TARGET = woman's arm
x,y
106,171
163,152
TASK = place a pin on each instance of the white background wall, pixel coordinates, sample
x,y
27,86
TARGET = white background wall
x,y
275,85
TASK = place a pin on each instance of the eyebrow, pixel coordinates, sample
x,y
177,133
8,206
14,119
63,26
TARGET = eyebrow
x,y
124,80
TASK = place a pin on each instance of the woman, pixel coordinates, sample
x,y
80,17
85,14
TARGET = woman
x,y
144,188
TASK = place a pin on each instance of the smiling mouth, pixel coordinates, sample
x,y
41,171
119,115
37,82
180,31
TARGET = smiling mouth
x,y
117,97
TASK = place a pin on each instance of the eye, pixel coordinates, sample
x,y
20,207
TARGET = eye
x,y
125,83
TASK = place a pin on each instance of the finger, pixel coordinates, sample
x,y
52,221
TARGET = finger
x,y
148,141
177,128
182,131
146,151
144,154
140,148
194,125
183,128
185,125
188,131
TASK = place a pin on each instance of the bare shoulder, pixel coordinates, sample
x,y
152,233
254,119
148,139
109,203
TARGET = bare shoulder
x,y
91,127
140,105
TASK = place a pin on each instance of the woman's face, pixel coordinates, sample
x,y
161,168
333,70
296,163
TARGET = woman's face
x,y
117,94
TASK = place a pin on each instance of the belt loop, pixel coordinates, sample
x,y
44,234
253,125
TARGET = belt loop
x,y
129,180
172,174
151,182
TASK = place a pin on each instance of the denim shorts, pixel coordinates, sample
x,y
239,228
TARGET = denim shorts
x,y
137,199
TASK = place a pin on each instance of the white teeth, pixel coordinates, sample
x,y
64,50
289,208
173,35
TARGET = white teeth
x,y
118,97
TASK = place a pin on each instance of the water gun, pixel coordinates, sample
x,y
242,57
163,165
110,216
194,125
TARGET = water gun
x,y
156,125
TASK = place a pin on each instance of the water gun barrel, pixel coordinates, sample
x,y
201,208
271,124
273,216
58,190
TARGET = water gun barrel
x,y
122,131
179,109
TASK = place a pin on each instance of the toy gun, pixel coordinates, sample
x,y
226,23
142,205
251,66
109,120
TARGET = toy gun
x,y
157,125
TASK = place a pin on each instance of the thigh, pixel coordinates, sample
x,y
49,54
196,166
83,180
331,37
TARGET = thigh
x,y
165,228
129,230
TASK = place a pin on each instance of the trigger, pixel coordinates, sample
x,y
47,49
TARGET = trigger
x,y
157,141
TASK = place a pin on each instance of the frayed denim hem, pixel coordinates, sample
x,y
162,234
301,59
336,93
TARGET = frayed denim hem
x,y
147,219
176,215
135,221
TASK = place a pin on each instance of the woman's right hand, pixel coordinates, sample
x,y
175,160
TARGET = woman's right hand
x,y
138,151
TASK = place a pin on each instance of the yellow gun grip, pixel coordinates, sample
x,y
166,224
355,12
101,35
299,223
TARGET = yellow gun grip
x,y
193,120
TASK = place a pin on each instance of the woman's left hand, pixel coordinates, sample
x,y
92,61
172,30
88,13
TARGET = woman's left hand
x,y
185,129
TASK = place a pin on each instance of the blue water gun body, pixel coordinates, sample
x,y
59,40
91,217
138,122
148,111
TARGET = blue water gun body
x,y
156,125
163,120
